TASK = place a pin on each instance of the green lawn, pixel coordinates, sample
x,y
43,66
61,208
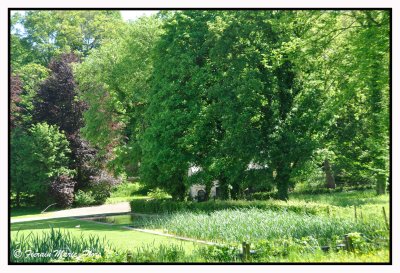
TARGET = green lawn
x,y
225,223
18,213
343,199
119,237
119,199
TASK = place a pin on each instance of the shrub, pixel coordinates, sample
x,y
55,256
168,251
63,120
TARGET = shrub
x,y
169,206
101,185
219,254
158,194
126,189
37,158
267,249
160,253
62,190
84,198
263,195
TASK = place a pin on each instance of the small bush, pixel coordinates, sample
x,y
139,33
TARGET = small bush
x,y
160,253
84,198
126,189
62,190
158,194
101,185
220,254
263,195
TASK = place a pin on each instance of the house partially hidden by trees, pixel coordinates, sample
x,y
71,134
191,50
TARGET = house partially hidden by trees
x,y
198,191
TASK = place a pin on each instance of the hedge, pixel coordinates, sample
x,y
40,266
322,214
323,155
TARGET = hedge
x,y
159,206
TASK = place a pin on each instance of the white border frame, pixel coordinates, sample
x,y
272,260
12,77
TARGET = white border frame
x,y
5,4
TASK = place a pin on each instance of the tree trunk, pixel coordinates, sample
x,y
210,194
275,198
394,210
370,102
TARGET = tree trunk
x,y
235,192
282,181
223,185
330,179
207,189
381,184
179,191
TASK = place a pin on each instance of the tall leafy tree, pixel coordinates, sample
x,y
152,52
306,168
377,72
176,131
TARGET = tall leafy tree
x,y
31,76
15,100
371,50
344,50
114,81
56,101
172,108
19,157
46,34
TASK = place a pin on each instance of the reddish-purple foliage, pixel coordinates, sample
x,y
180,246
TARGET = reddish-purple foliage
x,y
101,185
56,101
84,160
62,190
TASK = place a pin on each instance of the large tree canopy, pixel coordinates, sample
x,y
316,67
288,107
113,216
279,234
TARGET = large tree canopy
x,y
38,36
114,82
256,100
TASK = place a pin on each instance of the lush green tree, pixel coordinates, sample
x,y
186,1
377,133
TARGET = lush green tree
x,y
352,68
20,51
228,101
19,160
57,103
249,97
114,81
37,157
370,48
31,76
40,35
15,100
173,107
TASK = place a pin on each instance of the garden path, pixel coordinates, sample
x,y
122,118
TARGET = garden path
x,y
85,211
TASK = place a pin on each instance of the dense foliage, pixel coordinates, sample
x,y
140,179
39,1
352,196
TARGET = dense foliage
x,y
37,157
56,39
256,100
62,190
46,34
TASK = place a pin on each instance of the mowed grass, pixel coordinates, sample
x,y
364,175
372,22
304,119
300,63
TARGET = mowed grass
x,y
119,237
19,213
